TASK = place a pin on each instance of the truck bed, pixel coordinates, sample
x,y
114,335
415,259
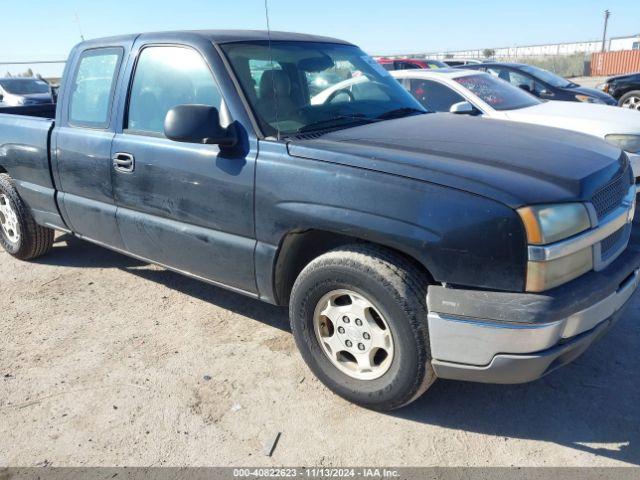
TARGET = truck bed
x,y
24,153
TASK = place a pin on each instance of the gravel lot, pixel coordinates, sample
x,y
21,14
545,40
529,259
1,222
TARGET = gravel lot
x,y
108,361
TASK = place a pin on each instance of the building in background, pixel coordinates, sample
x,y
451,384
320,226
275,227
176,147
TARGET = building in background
x,y
570,59
614,44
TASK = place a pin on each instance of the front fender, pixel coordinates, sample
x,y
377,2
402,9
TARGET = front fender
x,y
461,238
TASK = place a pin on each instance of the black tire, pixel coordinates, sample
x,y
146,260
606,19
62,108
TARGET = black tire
x,y
398,289
630,95
34,240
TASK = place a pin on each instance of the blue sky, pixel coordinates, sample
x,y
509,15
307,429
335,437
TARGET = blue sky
x,y
45,29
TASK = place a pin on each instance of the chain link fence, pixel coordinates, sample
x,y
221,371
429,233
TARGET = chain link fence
x,y
574,65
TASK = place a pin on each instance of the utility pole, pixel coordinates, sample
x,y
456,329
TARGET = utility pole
x,y
607,14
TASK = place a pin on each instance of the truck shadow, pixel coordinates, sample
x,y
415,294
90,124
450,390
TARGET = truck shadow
x,y
69,251
592,405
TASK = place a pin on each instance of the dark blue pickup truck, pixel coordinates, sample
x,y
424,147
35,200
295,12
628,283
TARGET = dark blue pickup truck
x,y
408,245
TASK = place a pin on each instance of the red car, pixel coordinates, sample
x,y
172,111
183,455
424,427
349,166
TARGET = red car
x,y
409,63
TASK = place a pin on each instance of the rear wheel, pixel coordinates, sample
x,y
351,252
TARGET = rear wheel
x,y
630,100
359,318
20,236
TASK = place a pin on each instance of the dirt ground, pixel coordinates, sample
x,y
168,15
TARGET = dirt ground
x,y
105,361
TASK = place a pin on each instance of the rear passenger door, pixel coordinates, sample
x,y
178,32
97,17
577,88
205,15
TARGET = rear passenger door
x,y
185,206
81,144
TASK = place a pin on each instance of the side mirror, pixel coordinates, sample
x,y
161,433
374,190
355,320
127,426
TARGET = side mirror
x,y
526,88
546,93
463,108
198,124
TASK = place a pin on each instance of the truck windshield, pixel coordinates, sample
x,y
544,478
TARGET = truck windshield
x,y
24,86
497,93
301,87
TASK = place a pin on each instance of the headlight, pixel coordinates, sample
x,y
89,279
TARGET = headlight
x,y
628,143
603,86
588,99
546,224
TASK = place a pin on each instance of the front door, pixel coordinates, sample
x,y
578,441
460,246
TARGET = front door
x,y
185,206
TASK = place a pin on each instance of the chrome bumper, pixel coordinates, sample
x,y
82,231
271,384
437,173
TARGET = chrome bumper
x,y
488,351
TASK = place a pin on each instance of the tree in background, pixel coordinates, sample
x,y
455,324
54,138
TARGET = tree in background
x,y
488,52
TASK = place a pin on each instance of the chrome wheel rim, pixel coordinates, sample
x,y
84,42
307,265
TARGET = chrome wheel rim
x,y
9,220
353,335
632,103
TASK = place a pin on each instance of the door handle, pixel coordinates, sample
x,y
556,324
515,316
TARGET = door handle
x,y
124,162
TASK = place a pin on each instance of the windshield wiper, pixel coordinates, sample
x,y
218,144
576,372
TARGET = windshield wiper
x,y
331,123
357,119
401,112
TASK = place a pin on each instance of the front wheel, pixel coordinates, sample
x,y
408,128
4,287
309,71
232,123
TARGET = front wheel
x,y
359,318
631,100
20,236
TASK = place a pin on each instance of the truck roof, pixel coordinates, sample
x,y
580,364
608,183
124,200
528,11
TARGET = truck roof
x,y
223,36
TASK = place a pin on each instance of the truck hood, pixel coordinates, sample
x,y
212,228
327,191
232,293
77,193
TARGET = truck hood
x,y
598,120
516,164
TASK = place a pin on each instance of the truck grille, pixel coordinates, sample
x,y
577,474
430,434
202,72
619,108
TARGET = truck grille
x,y
614,243
609,197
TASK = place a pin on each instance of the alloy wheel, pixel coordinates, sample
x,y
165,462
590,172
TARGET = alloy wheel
x,y
632,102
9,220
353,335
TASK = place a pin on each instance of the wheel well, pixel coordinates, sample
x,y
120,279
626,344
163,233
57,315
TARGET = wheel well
x,y
298,249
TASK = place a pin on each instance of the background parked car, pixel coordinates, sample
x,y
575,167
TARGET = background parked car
x,y
409,63
625,89
462,61
24,91
478,93
544,84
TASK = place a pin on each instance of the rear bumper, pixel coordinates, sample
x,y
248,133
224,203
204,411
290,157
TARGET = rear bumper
x,y
500,337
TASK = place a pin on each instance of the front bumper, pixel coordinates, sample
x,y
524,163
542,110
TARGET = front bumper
x,y
502,337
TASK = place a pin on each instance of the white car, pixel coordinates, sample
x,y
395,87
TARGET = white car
x,y
478,93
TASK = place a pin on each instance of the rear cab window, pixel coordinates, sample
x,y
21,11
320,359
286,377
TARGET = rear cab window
x,y
93,87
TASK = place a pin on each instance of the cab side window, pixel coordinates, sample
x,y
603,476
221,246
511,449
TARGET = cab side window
x,y
434,96
166,77
93,87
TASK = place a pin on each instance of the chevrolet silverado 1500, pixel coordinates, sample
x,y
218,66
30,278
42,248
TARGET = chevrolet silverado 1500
x,y
408,245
